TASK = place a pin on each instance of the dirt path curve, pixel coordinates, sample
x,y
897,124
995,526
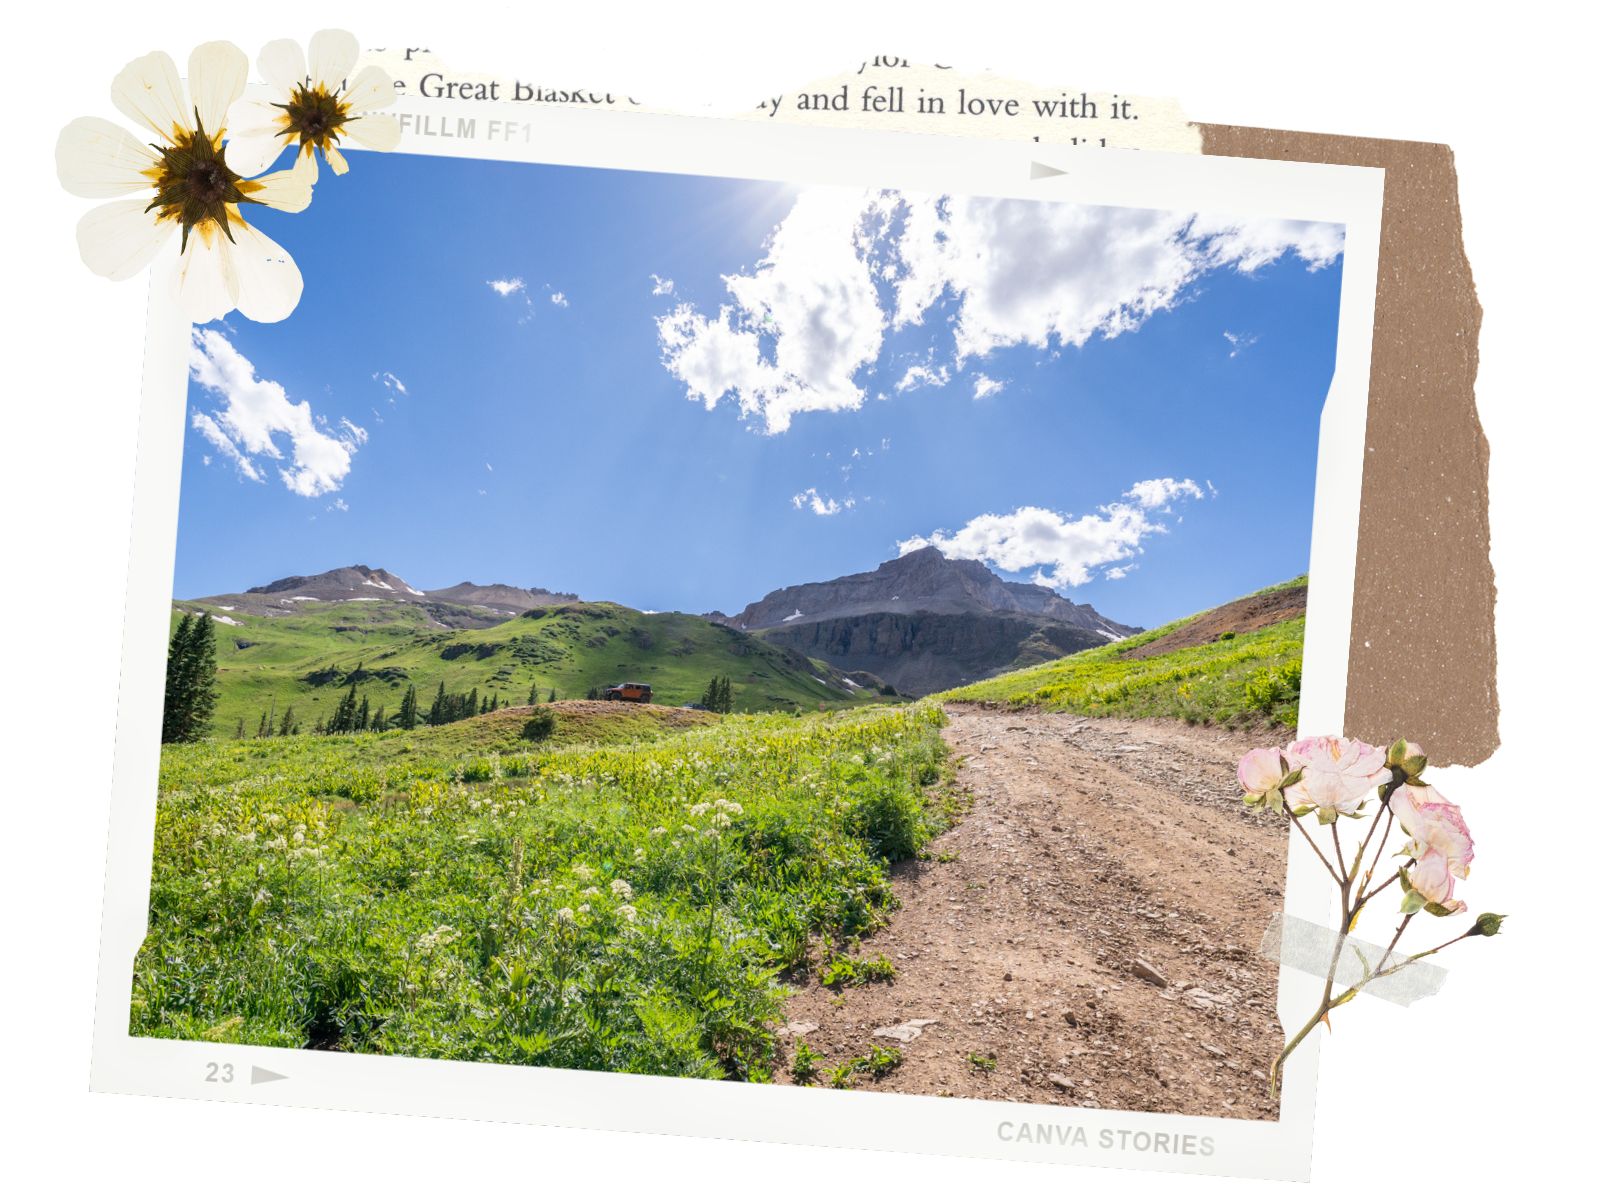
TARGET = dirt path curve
x,y
1085,935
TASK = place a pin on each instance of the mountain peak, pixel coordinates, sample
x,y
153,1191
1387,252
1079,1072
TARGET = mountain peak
x,y
924,580
341,583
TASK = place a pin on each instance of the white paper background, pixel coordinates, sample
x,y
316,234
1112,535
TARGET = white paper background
x,y
1486,1085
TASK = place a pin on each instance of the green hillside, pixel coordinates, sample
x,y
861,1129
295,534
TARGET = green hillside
x,y
310,656
1233,676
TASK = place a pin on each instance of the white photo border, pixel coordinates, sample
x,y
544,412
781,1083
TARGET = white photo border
x,y
1281,1149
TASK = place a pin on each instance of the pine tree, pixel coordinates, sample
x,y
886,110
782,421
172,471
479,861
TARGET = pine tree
x,y
172,715
436,714
533,693
380,720
238,731
191,684
286,726
408,709
263,729
552,695
363,720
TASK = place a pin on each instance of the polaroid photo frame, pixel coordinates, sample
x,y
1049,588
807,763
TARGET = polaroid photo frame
x,y
1348,196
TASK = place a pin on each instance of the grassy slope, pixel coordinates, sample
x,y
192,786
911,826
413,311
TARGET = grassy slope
x,y
570,649
610,908
1250,678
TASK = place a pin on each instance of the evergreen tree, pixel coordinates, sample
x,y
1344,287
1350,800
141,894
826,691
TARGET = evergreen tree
x,y
552,695
436,714
533,693
191,684
287,726
263,729
380,720
408,709
363,720
238,731
344,717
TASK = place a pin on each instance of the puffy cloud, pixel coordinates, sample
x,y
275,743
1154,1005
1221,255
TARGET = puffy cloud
x,y
843,268
1160,493
983,387
256,412
919,376
559,299
1037,273
507,287
1063,550
823,506
801,325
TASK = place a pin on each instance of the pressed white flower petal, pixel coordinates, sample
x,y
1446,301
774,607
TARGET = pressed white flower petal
x,y
283,65
207,282
217,74
288,191
148,91
255,136
269,283
336,160
371,88
307,162
376,131
333,57
119,239
96,159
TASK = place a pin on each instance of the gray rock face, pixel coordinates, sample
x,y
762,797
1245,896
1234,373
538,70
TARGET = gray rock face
x,y
923,581
924,622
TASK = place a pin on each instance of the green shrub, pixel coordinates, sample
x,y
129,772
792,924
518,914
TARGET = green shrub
x,y
539,726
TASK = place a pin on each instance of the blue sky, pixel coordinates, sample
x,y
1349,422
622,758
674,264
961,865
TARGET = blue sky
x,y
500,372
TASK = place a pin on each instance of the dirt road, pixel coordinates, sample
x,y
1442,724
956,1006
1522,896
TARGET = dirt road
x,y
1086,935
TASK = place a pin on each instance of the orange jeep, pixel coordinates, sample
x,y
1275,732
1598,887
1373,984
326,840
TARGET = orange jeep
x,y
636,693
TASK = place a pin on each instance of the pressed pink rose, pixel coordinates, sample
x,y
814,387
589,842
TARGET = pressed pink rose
x,y
1435,826
1433,880
1261,770
1336,774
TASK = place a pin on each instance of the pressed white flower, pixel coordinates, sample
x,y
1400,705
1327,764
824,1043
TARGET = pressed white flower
x,y
313,107
183,184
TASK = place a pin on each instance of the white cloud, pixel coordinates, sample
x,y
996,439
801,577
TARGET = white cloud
x,y
1063,550
920,376
661,287
798,328
559,299
507,287
1160,493
392,384
813,300
1238,342
983,387
257,412
823,506
338,506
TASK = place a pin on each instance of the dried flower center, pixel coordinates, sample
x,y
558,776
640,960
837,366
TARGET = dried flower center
x,y
195,186
315,116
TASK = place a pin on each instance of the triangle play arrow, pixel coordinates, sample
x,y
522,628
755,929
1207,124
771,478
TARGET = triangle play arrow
x,y
262,1075
1041,170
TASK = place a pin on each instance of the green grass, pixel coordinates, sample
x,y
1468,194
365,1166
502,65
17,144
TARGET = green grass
x,y
304,657
629,907
1249,678
845,971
